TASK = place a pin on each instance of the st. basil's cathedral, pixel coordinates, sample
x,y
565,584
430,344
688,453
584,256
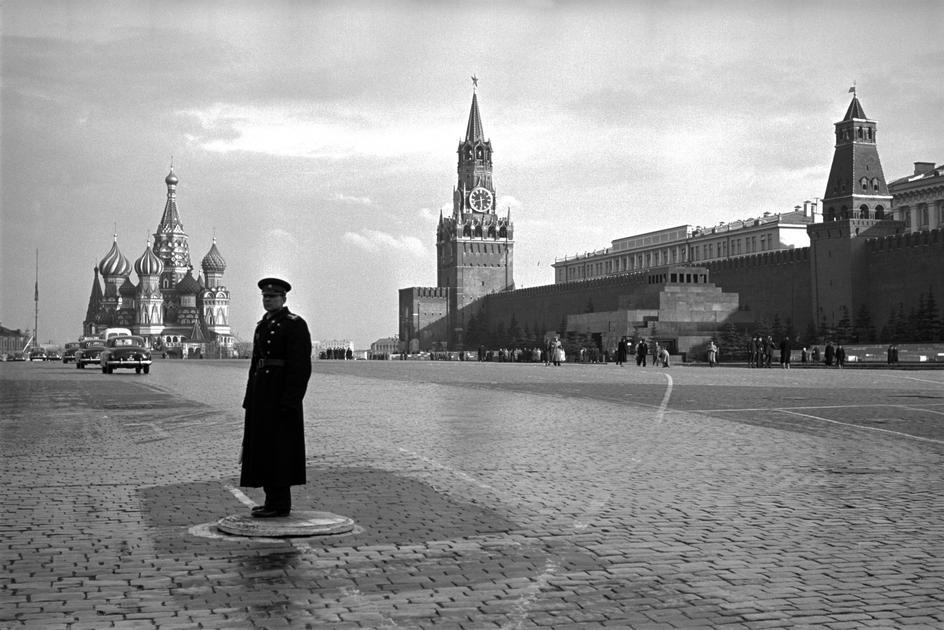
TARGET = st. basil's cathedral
x,y
174,311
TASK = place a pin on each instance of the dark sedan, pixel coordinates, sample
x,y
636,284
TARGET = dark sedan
x,y
126,351
89,352
69,353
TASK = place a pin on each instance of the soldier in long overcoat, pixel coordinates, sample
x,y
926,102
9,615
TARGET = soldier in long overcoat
x,y
273,450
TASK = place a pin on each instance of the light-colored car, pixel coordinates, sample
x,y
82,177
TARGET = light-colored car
x,y
89,352
126,351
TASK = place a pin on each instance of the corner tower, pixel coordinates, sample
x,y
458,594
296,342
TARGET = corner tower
x,y
855,206
474,245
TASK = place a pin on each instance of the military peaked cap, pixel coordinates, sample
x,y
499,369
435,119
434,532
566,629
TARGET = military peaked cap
x,y
274,285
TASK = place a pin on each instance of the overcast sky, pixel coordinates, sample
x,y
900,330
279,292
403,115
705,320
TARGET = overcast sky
x,y
317,140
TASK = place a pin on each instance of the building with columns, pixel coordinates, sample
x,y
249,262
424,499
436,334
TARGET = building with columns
x,y
692,244
918,199
168,306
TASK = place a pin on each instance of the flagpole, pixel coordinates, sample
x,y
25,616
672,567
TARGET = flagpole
x,y
36,301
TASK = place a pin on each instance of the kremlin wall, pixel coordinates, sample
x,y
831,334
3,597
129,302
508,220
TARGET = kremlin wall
x,y
862,258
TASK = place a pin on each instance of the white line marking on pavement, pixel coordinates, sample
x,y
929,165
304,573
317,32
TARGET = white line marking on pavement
x,y
525,602
665,399
457,473
923,410
859,426
722,409
915,378
239,494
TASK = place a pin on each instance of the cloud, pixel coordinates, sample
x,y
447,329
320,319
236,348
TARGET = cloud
x,y
328,130
376,241
352,199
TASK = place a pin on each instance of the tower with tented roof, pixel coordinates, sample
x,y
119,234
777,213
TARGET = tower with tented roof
x,y
856,207
474,244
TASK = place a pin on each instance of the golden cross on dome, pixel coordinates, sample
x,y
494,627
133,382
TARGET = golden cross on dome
x,y
475,81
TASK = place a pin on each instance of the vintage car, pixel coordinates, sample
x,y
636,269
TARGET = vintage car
x,y
89,351
126,351
53,355
37,354
18,356
68,353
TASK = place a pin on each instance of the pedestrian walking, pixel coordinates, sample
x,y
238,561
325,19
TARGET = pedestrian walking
x,y
712,353
273,447
558,351
785,349
840,356
621,349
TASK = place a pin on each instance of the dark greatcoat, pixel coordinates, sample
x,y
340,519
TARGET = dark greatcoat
x,y
274,432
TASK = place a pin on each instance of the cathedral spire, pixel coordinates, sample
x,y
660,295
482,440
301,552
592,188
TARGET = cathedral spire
x,y
94,305
170,221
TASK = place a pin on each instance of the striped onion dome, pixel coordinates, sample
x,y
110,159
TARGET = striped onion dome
x,y
148,264
114,263
213,262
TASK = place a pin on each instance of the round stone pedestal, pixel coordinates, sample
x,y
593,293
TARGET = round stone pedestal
x,y
295,524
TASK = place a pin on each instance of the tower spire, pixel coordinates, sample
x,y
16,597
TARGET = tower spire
x,y
473,130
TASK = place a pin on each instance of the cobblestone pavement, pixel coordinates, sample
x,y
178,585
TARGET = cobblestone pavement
x,y
486,496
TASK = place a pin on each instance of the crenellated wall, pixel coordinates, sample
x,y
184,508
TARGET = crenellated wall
x,y
542,309
902,268
770,283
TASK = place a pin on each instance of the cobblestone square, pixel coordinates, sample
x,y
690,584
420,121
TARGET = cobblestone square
x,y
485,496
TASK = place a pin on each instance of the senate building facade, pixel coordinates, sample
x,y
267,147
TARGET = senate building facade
x,y
866,249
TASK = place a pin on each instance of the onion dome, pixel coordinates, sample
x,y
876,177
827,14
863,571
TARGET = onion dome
x,y
213,262
127,288
187,285
171,179
114,263
148,264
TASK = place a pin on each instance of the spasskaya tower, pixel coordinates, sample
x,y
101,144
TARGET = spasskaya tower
x,y
475,246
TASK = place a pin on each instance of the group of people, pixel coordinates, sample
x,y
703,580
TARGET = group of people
x,y
760,352
641,350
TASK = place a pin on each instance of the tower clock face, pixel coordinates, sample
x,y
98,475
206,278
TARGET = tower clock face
x,y
480,199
